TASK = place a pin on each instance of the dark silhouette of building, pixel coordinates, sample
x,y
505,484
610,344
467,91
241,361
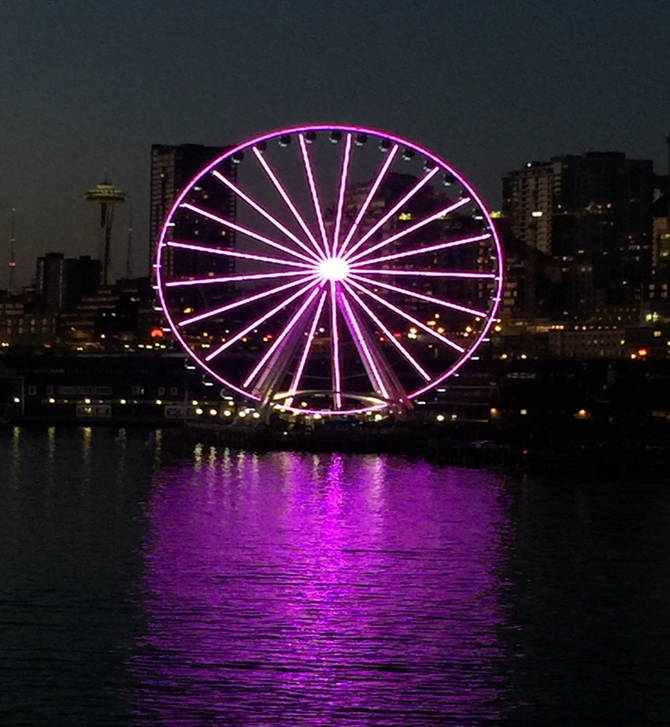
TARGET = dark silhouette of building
x,y
62,282
592,209
172,168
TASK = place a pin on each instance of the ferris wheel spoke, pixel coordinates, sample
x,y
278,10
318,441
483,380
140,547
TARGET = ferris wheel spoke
x,y
288,201
422,250
297,376
396,207
344,174
281,338
421,296
309,172
246,231
265,213
243,301
410,229
233,279
364,349
475,274
336,371
230,252
414,321
389,335
261,319
370,196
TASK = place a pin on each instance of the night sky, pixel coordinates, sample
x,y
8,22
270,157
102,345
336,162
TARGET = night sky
x,y
87,87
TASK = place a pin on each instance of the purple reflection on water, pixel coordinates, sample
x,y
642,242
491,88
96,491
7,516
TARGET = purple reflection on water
x,y
321,590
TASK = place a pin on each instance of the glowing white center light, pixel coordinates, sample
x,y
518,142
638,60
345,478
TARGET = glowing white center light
x,y
334,268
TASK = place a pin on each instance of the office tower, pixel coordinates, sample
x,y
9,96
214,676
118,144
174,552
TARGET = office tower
x,y
62,282
50,281
595,208
172,167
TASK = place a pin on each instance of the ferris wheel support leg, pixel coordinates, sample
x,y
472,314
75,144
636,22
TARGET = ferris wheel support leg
x,y
274,372
380,373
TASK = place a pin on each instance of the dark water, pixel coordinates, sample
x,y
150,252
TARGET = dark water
x,y
290,589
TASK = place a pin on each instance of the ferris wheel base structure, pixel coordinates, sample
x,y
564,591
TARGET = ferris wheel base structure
x,y
329,270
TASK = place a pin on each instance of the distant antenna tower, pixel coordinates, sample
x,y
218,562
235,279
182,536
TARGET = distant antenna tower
x,y
129,251
106,196
12,251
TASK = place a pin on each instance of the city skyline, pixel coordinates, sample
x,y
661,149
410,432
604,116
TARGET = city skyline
x,y
487,86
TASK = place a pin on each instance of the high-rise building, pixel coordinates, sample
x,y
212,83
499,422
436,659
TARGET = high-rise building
x,y
172,168
50,281
61,282
595,208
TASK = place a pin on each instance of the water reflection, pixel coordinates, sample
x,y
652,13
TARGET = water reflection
x,y
321,589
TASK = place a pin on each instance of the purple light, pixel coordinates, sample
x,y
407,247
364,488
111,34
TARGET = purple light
x,y
408,230
425,273
261,210
428,248
289,203
258,321
307,162
389,335
241,301
234,278
234,253
346,158
292,562
246,231
280,339
420,296
295,383
359,338
391,213
409,318
335,343
371,193
346,245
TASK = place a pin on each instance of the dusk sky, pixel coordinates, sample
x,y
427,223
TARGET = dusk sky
x,y
486,84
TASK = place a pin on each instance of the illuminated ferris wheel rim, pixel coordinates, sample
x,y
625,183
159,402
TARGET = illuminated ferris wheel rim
x,y
338,268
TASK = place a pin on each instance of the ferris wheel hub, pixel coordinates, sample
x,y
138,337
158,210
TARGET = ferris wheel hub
x,y
334,268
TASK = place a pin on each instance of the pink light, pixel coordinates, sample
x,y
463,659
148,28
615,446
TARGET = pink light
x,y
240,302
297,377
408,230
388,334
358,333
420,296
289,203
428,248
258,321
235,253
409,317
371,193
361,266
344,173
426,273
233,278
335,342
246,231
279,340
307,162
385,218
268,216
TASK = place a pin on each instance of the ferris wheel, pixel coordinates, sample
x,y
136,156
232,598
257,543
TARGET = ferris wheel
x,y
329,270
